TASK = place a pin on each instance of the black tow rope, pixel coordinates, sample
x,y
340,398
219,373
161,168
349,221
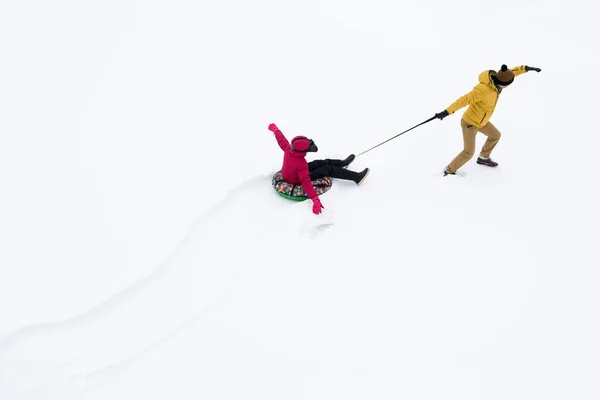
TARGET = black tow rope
x,y
422,123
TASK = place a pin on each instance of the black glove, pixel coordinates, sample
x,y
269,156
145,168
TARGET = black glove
x,y
442,115
528,68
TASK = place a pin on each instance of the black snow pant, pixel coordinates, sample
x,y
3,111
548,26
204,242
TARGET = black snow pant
x,y
332,168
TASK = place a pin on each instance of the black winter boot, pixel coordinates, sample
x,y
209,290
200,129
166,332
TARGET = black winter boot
x,y
362,176
348,160
486,161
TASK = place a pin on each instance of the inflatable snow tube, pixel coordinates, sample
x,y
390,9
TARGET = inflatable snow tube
x,y
296,192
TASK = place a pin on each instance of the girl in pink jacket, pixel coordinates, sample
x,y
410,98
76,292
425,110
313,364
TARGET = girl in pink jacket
x,y
296,170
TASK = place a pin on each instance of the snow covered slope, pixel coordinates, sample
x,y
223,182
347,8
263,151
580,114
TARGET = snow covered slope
x,y
144,253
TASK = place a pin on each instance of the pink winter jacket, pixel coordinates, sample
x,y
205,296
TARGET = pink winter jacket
x,y
295,167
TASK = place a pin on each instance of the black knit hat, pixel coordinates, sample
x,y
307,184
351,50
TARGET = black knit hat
x,y
505,76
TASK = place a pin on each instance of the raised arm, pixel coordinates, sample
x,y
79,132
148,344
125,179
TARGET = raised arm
x,y
281,140
519,70
525,68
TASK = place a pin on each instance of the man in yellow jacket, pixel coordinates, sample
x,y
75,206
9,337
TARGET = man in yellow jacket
x,y
482,102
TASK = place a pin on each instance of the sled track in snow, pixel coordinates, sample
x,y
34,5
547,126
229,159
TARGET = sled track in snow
x,y
124,363
112,301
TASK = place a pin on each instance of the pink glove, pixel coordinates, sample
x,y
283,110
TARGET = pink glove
x,y
317,206
273,128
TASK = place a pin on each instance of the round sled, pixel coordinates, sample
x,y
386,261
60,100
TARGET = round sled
x,y
296,192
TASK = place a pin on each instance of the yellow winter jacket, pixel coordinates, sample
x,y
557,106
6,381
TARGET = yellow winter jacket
x,y
482,99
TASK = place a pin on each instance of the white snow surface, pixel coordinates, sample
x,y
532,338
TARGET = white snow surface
x,y
145,255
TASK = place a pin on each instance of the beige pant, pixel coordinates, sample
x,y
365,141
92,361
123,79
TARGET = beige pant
x,y
469,133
